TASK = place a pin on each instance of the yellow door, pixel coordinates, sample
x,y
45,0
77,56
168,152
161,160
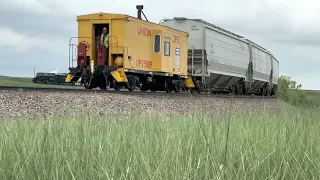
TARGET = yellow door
x,y
156,49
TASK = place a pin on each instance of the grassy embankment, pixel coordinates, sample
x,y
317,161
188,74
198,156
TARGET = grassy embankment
x,y
26,82
256,145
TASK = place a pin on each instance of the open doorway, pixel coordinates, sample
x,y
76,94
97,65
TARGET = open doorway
x,y
98,29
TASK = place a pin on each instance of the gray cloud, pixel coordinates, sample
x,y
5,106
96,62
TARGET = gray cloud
x,y
38,25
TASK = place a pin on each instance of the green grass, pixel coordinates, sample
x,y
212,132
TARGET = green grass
x,y
25,82
256,145
301,98
314,97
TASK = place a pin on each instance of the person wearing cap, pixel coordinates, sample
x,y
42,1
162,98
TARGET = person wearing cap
x,y
104,39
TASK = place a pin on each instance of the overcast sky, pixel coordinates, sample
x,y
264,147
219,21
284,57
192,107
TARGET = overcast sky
x,y
35,33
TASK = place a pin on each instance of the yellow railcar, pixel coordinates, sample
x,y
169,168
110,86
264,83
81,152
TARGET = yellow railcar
x,y
140,54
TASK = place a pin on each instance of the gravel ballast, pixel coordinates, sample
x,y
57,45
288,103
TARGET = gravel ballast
x,y
33,104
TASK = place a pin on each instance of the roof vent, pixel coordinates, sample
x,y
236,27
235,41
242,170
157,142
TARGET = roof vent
x,y
180,18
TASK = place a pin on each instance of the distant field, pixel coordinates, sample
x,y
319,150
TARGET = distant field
x,y
25,82
312,91
314,97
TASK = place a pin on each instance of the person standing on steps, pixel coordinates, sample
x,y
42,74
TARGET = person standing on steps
x,y
104,43
104,40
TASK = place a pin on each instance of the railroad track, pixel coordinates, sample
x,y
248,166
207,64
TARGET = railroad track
x,y
137,92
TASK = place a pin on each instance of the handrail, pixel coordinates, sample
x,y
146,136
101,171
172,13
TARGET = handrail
x,y
92,37
111,45
125,51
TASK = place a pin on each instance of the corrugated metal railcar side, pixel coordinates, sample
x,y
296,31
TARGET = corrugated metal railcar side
x,y
261,64
226,56
218,55
275,70
227,60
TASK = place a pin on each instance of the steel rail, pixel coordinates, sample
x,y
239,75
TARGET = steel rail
x,y
126,92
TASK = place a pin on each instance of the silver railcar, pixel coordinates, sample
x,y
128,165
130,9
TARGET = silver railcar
x,y
225,61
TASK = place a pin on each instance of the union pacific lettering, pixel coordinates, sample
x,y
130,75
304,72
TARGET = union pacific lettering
x,y
143,63
144,31
176,39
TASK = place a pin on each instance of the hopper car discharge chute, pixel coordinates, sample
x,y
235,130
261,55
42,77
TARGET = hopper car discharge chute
x,y
137,55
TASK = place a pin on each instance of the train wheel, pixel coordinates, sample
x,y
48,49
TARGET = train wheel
x,y
264,91
116,85
244,89
234,89
177,86
198,85
88,83
88,79
144,84
153,85
239,90
272,92
143,87
102,83
131,84
168,85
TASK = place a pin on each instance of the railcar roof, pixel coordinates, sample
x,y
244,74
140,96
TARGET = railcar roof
x,y
208,24
93,15
221,29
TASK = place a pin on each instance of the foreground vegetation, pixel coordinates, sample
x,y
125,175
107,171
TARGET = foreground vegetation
x,y
250,146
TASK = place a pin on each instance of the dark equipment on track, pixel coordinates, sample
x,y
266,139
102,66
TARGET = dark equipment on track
x,y
52,78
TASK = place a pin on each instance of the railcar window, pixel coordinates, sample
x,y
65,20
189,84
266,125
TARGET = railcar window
x,y
167,48
157,43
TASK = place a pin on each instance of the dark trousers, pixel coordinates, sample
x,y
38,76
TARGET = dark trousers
x,y
106,54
